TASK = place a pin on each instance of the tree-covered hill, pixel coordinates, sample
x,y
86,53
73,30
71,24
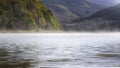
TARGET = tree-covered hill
x,y
26,15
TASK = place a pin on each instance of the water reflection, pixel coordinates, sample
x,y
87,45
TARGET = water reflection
x,y
8,60
109,55
15,65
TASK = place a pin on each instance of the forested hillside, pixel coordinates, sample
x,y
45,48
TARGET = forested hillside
x,y
26,15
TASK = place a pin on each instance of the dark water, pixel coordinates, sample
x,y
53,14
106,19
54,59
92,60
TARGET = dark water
x,y
59,50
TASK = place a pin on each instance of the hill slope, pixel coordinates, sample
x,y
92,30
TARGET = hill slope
x,y
67,10
60,10
26,15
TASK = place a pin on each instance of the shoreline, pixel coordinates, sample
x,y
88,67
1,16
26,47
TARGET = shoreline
x,y
60,33
55,31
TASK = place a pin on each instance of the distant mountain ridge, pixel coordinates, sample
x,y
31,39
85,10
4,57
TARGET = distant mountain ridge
x,y
68,10
111,13
107,19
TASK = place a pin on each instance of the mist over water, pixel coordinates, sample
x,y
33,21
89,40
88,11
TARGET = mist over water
x,y
60,50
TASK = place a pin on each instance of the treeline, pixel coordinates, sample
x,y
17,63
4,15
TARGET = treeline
x,y
93,25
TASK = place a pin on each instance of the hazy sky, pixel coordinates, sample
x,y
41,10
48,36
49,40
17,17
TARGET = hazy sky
x,y
106,2
114,1
117,1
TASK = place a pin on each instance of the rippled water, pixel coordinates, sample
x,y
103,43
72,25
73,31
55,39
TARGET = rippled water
x,y
72,50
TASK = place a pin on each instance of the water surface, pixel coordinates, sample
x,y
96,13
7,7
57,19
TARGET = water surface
x,y
61,50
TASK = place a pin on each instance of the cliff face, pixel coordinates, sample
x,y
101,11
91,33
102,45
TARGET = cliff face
x,y
26,15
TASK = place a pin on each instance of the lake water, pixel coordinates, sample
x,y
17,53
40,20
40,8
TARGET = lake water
x,y
49,50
